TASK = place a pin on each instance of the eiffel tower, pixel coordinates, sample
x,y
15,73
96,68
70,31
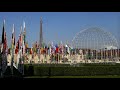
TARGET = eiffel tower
x,y
41,33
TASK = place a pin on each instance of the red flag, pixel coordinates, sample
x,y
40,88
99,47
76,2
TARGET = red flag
x,y
17,47
31,51
57,49
20,40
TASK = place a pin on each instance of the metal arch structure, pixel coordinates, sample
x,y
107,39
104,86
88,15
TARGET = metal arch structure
x,y
94,38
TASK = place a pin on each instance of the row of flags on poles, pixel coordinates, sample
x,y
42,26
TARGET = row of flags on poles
x,y
4,40
16,47
50,49
21,46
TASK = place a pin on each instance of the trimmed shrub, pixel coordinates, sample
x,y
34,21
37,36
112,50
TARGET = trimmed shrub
x,y
82,70
41,71
57,71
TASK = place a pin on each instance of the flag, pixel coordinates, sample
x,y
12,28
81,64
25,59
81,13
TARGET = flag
x,y
17,47
57,49
5,43
36,45
3,37
23,46
3,33
20,46
49,50
13,38
52,50
31,52
24,33
26,45
66,49
20,37
61,48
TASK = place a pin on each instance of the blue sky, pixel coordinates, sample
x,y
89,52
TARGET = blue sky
x,y
58,26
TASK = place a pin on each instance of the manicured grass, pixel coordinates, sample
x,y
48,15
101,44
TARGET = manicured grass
x,y
85,77
110,76
36,77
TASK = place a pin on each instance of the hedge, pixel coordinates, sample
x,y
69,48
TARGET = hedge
x,y
89,70
49,65
44,71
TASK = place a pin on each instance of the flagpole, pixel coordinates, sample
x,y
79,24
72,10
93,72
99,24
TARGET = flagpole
x,y
12,63
1,64
1,53
23,58
12,50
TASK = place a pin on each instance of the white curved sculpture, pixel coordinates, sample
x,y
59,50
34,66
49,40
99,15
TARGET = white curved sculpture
x,y
94,38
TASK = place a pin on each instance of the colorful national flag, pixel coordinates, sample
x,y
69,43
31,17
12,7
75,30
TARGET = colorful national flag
x,y
13,38
57,49
24,32
3,37
20,38
17,47
3,33
5,43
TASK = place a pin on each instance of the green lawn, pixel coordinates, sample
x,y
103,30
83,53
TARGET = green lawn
x,y
73,76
